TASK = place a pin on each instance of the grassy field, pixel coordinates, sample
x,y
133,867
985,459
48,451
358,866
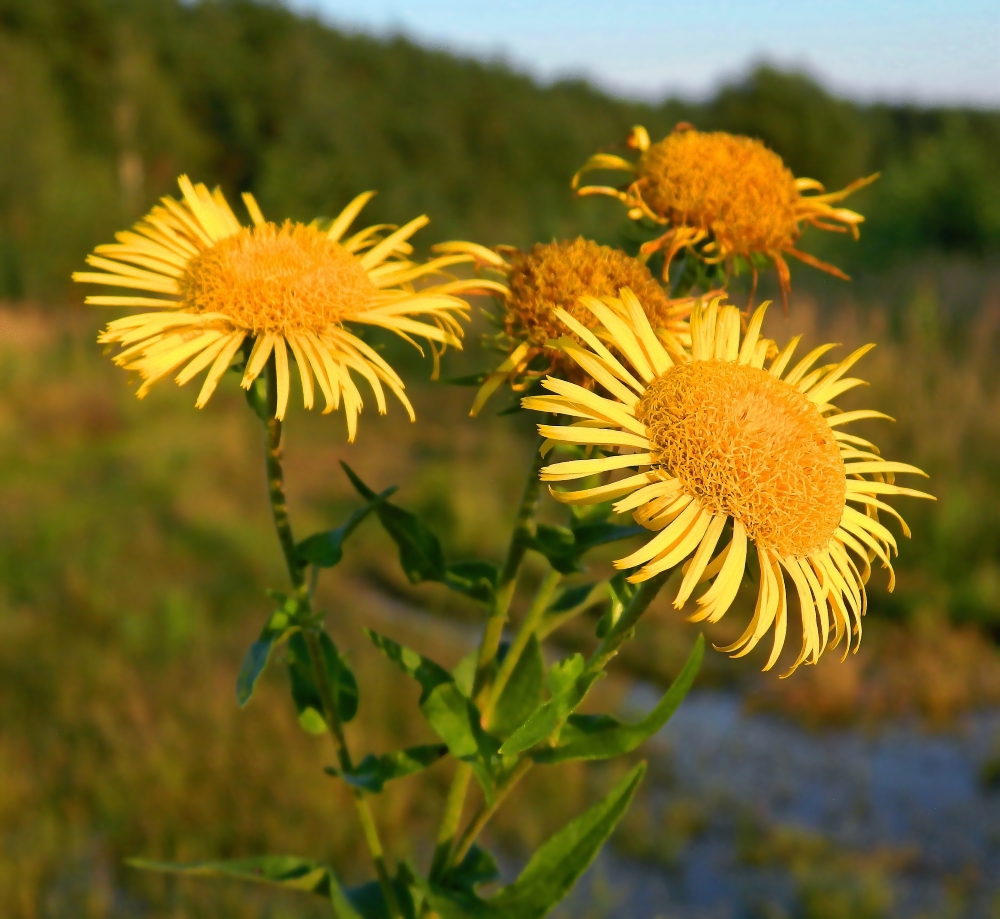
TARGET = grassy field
x,y
136,544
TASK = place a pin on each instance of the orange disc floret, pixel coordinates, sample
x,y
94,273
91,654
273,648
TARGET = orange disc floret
x,y
749,446
550,276
733,187
266,278
722,196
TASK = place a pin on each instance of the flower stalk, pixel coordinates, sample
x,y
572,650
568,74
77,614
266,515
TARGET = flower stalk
x,y
506,583
328,692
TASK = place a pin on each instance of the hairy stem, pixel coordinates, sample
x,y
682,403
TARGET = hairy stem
x,y
328,691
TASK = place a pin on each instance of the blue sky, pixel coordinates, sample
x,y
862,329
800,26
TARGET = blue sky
x,y
914,50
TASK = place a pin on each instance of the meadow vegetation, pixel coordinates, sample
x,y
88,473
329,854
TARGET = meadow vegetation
x,y
135,546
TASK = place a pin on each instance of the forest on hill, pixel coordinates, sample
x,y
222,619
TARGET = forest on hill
x,y
104,102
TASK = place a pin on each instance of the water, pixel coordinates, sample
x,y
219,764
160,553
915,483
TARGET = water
x,y
793,822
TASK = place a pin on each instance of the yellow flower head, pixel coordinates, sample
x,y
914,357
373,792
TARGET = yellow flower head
x,y
549,277
718,442
293,287
727,194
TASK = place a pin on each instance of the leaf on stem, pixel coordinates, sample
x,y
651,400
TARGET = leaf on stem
x,y
601,736
326,549
373,772
255,660
564,547
569,682
449,712
475,579
553,869
559,863
621,592
305,693
420,552
286,871
523,692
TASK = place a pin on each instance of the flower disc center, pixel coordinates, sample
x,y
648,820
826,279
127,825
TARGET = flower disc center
x,y
292,278
732,186
749,446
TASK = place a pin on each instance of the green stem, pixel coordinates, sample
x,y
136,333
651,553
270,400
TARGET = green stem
x,y
524,526
276,482
504,593
327,691
486,811
450,819
534,615
597,661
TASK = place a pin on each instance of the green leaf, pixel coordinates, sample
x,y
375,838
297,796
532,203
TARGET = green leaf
x,y
255,660
373,772
286,871
565,546
523,692
369,901
478,867
601,737
621,592
589,535
464,672
571,598
558,864
558,545
305,693
325,550
449,712
420,552
475,579
569,683
257,398
427,673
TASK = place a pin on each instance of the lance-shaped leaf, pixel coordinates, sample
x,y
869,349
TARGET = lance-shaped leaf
x,y
558,864
420,552
478,867
327,549
449,712
553,869
523,692
373,772
286,871
305,693
564,547
621,592
475,579
569,682
601,737
255,660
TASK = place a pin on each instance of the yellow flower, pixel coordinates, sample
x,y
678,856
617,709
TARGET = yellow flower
x,y
553,276
290,287
728,193
718,443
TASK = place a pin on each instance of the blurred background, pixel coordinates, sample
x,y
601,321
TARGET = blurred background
x,y
135,539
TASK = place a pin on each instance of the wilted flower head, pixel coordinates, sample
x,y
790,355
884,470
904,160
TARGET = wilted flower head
x,y
725,194
548,277
719,443
222,287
